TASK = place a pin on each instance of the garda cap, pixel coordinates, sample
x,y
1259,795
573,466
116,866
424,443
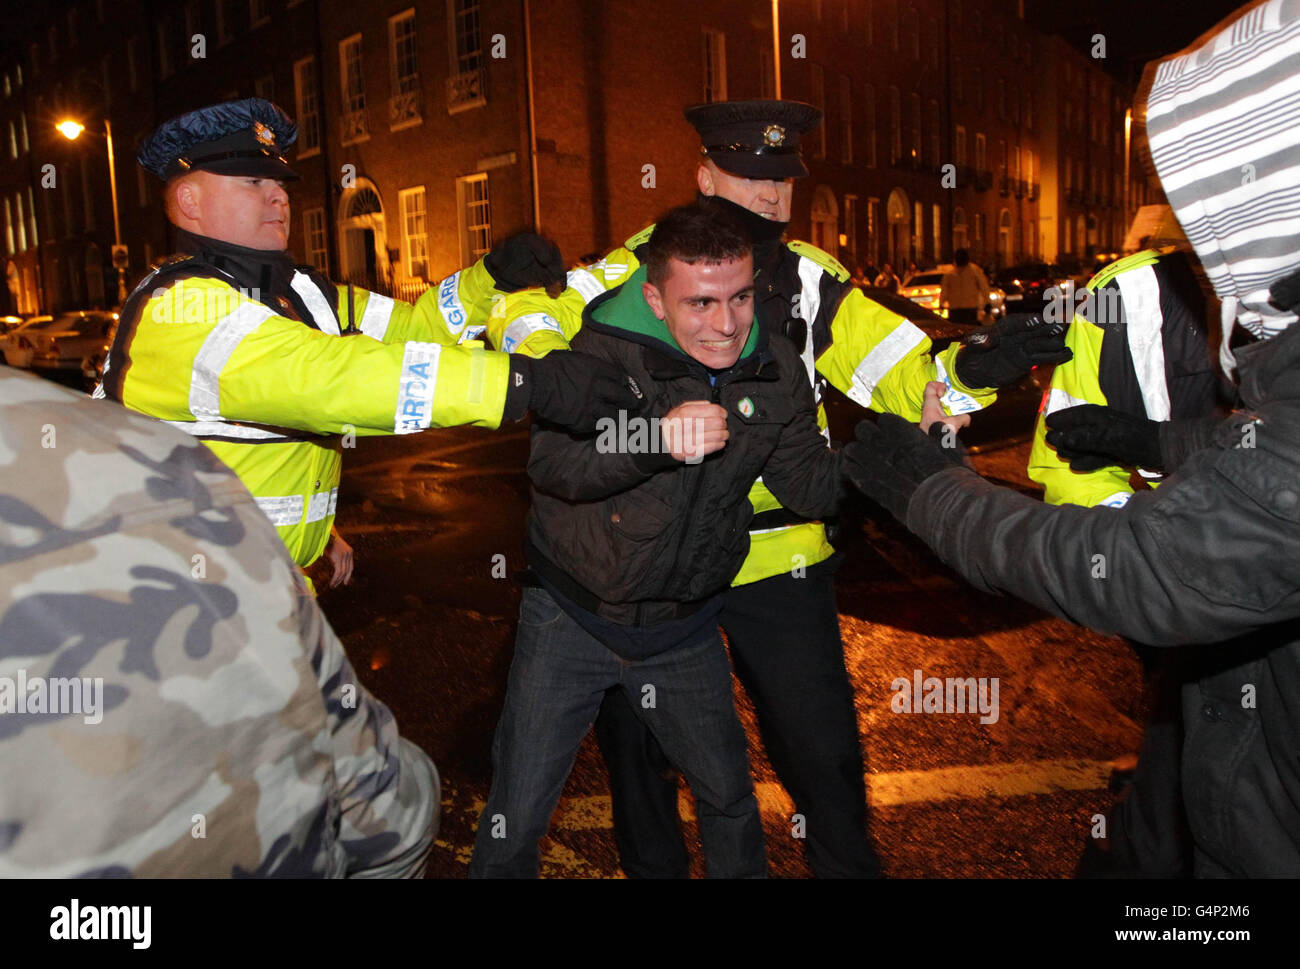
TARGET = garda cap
x,y
247,137
755,139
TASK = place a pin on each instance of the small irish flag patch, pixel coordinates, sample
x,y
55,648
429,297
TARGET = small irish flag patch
x,y
746,407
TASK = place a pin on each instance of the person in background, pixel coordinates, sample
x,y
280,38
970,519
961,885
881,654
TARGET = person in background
x,y
964,290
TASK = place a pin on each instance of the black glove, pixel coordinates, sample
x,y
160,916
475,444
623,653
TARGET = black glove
x,y
1285,293
525,261
1092,437
890,458
571,389
1003,353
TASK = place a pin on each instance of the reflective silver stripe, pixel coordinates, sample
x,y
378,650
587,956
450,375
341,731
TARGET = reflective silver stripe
x,y
223,429
205,380
374,321
1058,399
322,504
321,311
472,333
954,399
884,357
415,392
281,511
524,327
585,283
1140,291
1118,500
810,301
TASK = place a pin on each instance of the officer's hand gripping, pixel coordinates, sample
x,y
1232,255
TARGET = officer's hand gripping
x,y
1001,354
570,389
525,261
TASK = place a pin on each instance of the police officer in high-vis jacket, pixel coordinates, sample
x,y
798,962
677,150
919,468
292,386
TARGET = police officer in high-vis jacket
x,y
270,364
780,616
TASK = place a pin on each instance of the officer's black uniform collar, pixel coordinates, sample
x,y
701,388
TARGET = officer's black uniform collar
x,y
264,270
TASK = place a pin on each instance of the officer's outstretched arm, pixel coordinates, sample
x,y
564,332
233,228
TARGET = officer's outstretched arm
x,y
883,361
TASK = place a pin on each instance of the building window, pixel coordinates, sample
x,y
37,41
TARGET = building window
x,y
475,217
959,142
415,232
914,145
715,65
891,21
54,42
850,239
22,220
259,12
895,127
133,63
72,27
307,99
1002,99
935,137
13,140
353,90
913,33
34,52
932,43
465,87
918,232
222,9
819,100
981,152
936,231
873,241
957,91
402,53
313,221
846,120
1002,157
31,218
867,17
87,198
979,226
9,228
959,228
264,87
871,124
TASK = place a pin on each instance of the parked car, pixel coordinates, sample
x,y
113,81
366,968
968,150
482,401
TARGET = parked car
x,y
1027,285
924,289
16,345
69,343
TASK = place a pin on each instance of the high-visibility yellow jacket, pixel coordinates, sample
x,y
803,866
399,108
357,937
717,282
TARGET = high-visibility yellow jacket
x,y
1140,346
276,390
874,356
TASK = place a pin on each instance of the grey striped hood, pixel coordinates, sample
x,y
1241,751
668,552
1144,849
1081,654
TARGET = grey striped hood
x,y
1223,122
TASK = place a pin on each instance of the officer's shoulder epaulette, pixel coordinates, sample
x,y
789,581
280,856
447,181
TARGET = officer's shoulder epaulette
x,y
640,239
823,259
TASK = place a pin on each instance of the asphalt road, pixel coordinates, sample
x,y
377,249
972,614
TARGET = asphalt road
x,y
430,629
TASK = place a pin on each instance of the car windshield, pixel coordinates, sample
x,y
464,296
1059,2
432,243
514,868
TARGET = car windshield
x,y
77,324
925,279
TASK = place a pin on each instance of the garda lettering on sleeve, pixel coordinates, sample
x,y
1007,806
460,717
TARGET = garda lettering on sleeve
x,y
453,311
953,399
415,395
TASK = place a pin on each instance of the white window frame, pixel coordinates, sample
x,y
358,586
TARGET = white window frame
x,y
715,65
415,237
313,231
469,251
400,83
306,94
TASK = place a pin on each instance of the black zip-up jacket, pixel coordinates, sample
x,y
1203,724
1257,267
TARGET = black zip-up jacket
x,y
1212,556
642,533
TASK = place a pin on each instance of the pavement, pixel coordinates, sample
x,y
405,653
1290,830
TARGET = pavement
x,y
437,522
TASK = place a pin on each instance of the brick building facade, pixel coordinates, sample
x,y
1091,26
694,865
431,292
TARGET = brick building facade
x,y
428,128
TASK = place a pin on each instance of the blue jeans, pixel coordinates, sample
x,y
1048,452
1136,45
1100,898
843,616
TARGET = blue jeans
x,y
557,679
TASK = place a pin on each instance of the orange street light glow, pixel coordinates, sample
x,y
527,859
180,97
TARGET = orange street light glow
x,y
70,129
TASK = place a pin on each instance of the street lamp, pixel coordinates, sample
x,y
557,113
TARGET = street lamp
x,y
72,130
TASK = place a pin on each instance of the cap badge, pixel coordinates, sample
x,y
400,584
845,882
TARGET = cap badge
x,y
263,134
774,135
746,407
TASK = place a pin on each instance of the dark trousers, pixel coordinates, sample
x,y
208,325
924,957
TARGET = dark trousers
x,y
786,649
